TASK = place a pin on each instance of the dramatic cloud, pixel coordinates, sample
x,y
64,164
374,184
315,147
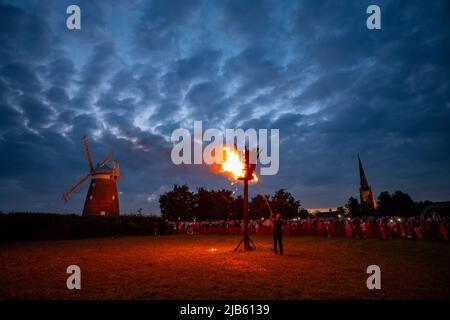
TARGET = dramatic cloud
x,y
138,70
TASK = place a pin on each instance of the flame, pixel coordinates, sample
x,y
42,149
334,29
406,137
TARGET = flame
x,y
233,164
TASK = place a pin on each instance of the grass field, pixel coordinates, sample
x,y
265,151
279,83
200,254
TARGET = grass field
x,y
184,267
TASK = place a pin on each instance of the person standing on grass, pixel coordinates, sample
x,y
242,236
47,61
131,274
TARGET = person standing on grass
x,y
363,229
382,226
443,231
277,229
418,229
348,228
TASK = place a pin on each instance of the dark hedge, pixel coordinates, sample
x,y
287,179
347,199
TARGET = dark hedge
x,y
46,226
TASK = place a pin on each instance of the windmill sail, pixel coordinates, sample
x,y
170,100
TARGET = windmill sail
x,y
74,188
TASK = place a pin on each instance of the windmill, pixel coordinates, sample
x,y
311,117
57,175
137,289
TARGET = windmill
x,y
102,198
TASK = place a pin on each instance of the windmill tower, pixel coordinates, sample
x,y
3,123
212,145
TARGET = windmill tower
x,y
102,198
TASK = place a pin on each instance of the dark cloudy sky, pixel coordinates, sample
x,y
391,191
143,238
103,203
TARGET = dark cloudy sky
x,y
140,69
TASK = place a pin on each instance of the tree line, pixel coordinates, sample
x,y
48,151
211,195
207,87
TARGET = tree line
x,y
396,204
181,203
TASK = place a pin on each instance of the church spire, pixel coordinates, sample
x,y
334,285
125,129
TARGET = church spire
x,y
365,191
362,176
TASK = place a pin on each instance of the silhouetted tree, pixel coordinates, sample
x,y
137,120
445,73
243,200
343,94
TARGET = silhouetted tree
x,y
284,203
203,204
223,204
213,205
385,203
178,203
422,205
258,208
440,208
403,204
238,208
398,204
303,213
353,207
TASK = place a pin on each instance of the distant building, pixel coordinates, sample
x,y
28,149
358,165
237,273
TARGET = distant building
x,y
365,191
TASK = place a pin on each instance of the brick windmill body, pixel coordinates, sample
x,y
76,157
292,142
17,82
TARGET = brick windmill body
x,y
102,198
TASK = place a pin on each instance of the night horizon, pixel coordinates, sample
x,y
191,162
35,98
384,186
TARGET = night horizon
x,y
219,159
137,71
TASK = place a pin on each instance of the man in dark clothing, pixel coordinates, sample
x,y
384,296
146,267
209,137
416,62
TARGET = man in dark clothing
x,y
277,229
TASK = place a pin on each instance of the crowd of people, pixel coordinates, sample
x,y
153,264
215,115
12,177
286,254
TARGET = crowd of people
x,y
383,227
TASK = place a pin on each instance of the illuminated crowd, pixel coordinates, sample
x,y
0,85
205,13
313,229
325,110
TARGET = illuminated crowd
x,y
384,227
